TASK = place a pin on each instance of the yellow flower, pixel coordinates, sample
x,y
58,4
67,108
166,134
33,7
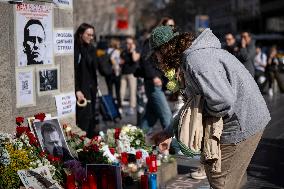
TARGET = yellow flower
x,y
173,86
170,74
19,160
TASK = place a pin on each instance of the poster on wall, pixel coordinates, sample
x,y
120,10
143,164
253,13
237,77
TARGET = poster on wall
x,y
121,18
66,104
25,93
64,4
48,80
63,41
34,30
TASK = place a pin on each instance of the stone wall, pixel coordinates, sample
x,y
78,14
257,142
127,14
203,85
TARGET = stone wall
x,y
63,18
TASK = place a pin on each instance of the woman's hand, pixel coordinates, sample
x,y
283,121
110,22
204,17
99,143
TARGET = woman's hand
x,y
80,96
163,140
160,137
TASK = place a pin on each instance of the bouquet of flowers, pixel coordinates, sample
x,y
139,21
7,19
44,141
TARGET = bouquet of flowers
x,y
127,139
22,151
173,84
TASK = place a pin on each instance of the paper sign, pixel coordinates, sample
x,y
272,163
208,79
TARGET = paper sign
x,y
66,104
67,4
63,41
25,87
38,178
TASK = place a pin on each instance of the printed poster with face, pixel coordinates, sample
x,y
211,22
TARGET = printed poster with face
x,y
34,30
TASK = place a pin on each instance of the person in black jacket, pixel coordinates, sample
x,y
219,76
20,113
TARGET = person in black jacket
x,y
157,107
247,52
85,63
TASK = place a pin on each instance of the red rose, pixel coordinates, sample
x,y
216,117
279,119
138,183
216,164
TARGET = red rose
x,y
31,135
19,120
117,133
112,150
40,116
95,148
82,137
42,154
20,130
50,157
57,159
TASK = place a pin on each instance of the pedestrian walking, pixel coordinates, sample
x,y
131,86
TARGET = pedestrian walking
x,y
247,52
273,71
260,62
114,78
129,63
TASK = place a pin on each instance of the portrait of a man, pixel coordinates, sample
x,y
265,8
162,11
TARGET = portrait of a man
x,y
48,80
34,35
51,138
34,42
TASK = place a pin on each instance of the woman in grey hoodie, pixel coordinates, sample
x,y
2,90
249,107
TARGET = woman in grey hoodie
x,y
229,91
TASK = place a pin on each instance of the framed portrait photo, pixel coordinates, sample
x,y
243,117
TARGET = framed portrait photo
x,y
48,80
51,138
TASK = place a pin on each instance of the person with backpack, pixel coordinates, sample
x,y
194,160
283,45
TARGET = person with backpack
x,y
260,62
85,64
113,54
273,71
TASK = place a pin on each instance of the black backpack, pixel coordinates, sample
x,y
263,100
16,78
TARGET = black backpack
x,y
105,65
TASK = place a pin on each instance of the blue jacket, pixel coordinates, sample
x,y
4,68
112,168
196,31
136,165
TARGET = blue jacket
x,y
227,86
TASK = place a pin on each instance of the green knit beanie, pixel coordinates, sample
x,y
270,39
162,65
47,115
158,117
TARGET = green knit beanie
x,y
161,35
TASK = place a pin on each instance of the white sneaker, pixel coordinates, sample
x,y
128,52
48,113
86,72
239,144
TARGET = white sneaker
x,y
270,92
199,174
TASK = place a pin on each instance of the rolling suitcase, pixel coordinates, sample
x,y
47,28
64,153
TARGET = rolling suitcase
x,y
108,107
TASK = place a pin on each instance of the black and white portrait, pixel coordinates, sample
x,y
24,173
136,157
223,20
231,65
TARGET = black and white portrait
x,y
34,34
51,138
48,80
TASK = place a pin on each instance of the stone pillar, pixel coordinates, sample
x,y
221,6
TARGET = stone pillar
x,y
63,18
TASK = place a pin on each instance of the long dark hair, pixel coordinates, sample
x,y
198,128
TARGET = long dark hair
x,y
81,29
171,52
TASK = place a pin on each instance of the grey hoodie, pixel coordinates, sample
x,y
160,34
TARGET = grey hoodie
x,y
228,88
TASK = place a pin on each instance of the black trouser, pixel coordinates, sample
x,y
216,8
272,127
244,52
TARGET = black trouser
x,y
86,116
114,80
258,74
272,75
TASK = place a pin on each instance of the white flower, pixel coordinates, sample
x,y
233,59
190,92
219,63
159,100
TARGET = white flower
x,y
137,142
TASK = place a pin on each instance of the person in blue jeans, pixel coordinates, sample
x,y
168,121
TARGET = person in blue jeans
x,y
157,107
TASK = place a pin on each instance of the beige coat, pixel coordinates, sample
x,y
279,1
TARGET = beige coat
x,y
193,132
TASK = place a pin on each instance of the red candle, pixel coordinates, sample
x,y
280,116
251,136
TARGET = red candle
x,y
85,184
104,179
148,161
153,163
70,182
92,181
144,182
124,158
138,155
